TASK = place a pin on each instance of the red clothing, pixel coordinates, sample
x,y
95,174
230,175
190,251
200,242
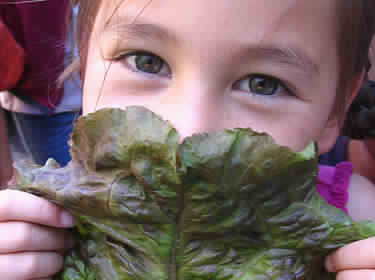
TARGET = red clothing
x,y
39,27
12,59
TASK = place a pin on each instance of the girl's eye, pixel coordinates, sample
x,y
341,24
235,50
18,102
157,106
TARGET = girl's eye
x,y
147,63
259,84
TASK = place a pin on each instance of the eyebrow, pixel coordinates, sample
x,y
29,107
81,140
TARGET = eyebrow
x,y
137,29
289,55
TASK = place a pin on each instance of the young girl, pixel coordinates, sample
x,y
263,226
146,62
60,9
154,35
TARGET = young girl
x,y
289,68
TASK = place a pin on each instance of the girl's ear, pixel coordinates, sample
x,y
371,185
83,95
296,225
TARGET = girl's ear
x,y
334,126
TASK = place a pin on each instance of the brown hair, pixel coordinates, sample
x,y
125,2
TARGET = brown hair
x,y
356,28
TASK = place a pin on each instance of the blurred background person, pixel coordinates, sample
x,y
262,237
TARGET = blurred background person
x,y
40,114
11,68
357,142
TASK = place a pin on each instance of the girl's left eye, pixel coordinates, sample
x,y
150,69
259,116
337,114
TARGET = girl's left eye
x,y
259,84
147,63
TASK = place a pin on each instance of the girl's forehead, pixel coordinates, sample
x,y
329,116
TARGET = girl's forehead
x,y
241,15
305,24
219,12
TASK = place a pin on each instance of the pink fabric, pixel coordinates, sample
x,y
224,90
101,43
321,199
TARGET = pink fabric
x,y
333,183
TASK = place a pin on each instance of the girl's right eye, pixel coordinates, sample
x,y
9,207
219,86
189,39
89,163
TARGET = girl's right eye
x,y
147,63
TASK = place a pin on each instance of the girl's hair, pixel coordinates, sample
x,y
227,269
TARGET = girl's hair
x,y
356,26
356,30
360,121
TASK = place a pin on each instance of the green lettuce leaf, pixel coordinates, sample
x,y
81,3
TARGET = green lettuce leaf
x,y
220,206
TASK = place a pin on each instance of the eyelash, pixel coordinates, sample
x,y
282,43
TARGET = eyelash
x,y
134,54
281,86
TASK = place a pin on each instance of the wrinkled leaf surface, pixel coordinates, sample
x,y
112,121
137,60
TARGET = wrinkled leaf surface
x,y
219,206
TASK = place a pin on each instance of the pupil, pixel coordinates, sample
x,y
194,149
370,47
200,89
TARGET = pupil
x,y
149,63
263,85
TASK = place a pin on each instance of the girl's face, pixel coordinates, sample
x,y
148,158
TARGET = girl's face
x,y
214,64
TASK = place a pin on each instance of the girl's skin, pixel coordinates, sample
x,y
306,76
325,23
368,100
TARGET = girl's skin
x,y
205,66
